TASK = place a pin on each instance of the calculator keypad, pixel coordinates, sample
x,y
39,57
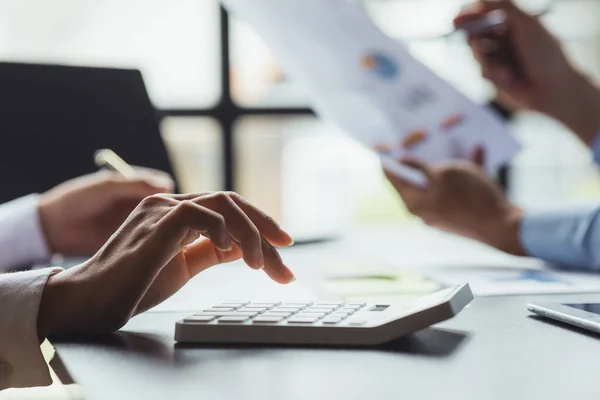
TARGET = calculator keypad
x,y
293,313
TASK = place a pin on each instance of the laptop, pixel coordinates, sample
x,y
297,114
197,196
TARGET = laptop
x,y
55,117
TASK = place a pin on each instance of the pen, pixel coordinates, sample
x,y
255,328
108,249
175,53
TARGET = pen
x,y
108,159
503,51
492,20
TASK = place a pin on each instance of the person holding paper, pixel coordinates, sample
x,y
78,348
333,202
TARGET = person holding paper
x,y
462,199
161,242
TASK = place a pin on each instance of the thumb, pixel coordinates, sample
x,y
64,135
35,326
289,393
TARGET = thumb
x,y
202,255
419,165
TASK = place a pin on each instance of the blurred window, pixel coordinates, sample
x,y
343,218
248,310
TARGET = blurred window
x,y
239,122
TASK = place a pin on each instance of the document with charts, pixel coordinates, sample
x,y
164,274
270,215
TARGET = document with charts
x,y
371,87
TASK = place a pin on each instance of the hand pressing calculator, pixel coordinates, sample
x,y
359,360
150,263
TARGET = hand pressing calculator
x,y
331,323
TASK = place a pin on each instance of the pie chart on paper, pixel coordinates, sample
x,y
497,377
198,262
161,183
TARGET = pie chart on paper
x,y
381,65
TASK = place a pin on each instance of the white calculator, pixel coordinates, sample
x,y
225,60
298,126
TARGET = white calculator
x,y
331,323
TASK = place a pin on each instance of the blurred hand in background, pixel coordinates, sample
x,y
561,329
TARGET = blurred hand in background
x,y
79,216
461,198
530,69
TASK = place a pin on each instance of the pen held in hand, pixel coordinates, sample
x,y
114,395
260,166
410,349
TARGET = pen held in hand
x,y
492,30
108,159
494,19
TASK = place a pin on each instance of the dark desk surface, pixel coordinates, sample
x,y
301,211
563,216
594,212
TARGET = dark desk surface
x,y
493,350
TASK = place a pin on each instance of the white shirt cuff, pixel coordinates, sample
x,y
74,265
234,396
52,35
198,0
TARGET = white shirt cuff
x,y
21,361
22,241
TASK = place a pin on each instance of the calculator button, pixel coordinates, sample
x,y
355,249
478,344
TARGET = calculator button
x,y
327,310
360,305
330,303
269,304
357,322
226,307
235,303
297,304
267,320
252,309
221,309
332,321
216,314
228,314
317,310
347,310
303,320
200,318
325,306
312,315
339,315
277,314
286,309
233,319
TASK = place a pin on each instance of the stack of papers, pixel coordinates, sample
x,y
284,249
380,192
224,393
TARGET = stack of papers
x,y
371,87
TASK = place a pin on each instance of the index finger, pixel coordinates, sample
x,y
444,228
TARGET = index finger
x,y
420,166
267,226
274,266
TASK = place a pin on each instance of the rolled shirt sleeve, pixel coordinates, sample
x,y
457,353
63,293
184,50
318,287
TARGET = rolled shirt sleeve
x,y
21,361
22,241
596,148
567,238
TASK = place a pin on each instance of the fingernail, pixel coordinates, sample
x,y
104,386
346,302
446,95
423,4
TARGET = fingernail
x,y
293,279
260,260
287,237
226,241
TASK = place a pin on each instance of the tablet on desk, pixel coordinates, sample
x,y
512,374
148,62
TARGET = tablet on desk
x,y
582,315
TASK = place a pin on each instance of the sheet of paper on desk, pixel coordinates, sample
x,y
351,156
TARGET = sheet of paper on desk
x,y
511,281
367,281
371,87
